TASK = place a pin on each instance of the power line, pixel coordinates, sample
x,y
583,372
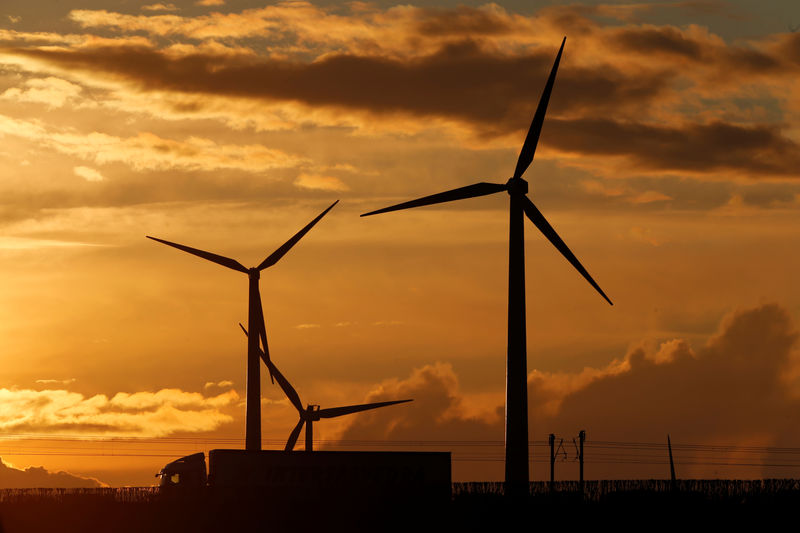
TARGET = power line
x,y
597,452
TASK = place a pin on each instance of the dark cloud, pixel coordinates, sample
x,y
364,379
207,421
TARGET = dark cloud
x,y
704,148
436,411
38,477
719,59
461,21
731,388
495,93
461,80
436,414
735,389
789,47
664,40
732,391
742,61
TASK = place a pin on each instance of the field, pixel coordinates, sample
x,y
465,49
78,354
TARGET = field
x,y
622,504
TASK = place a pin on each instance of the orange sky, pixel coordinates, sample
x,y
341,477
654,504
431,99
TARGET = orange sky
x,y
668,163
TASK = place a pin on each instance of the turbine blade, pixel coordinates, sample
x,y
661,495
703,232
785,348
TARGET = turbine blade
x,y
275,256
532,139
293,437
262,333
287,388
540,222
214,258
349,409
470,191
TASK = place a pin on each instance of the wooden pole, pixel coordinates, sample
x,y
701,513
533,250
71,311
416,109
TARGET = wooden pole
x,y
552,460
581,438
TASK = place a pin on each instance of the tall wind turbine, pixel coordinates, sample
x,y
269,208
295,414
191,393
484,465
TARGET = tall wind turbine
x,y
256,322
312,413
516,473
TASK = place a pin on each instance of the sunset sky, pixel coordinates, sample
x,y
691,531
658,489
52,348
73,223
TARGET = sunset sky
x,y
669,163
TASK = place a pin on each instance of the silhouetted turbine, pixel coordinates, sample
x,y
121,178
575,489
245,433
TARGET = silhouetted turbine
x,y
672,477
256,322
313,413
516,365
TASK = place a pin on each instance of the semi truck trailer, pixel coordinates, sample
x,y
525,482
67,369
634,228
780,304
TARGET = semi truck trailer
x,y
316,475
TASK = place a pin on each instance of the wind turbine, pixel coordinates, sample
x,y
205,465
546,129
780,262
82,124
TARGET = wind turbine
x,y
313,413
255,320
516,468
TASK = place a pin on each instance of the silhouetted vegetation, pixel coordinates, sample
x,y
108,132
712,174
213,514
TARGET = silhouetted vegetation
x,y
474,506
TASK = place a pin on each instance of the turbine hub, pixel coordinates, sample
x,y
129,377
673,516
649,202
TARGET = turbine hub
x,y
517,186
253,273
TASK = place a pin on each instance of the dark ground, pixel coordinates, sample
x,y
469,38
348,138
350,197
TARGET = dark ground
x,y
644,505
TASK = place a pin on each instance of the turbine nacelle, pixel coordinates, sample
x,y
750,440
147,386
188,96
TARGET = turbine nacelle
x,y
516,186
254,273
311,414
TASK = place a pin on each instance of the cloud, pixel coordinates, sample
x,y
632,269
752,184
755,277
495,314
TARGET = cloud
x,y
646,236
684,100
59,381
52,92
649,133
89,174
225,383
142,414
442,83
648,197
320,182
437,412
741,387
148,151
210,3
728,389
756,151
26,243
39,477
160,7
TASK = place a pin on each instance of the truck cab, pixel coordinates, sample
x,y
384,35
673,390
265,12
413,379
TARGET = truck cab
x,y
185,473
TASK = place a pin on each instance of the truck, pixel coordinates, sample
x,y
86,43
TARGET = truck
x,y
368,476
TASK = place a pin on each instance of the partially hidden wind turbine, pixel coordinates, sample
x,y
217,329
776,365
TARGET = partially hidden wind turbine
x,y
312,413
255,320
516,467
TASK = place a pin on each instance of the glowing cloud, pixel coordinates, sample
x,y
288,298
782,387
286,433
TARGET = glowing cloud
x,y
143,414
89,174
39,477
317,181
52,92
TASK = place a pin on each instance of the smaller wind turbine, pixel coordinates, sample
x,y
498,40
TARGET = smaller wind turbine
x,y
312,413
255,319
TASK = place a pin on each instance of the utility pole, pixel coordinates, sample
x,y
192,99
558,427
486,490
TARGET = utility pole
x,y
552,461
581,438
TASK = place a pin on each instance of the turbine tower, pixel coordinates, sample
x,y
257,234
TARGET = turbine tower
x,y
255,320
516,467
313,413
